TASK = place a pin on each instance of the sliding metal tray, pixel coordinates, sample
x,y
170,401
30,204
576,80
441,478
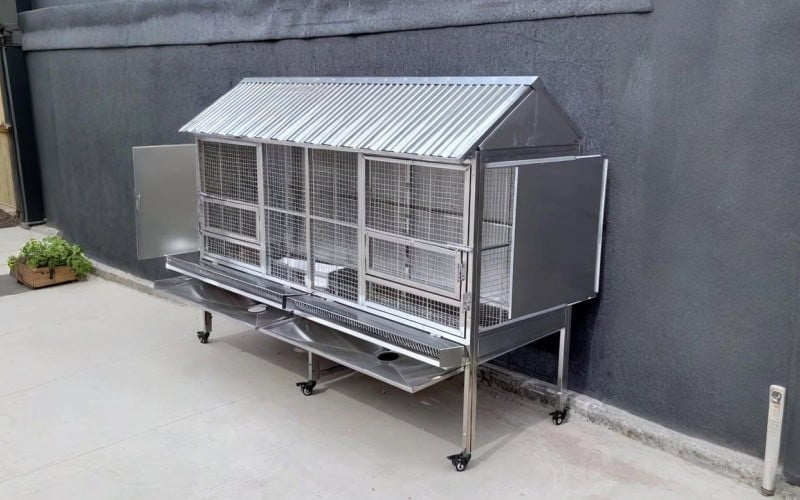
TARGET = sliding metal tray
x,y
391,367
253,287
218,300
415,343
392,335
365,357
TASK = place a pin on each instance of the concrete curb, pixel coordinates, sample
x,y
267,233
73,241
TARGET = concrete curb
x,y
109,273
510,385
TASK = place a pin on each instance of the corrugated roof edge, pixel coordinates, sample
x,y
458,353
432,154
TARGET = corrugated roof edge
x,y
532,82
394,80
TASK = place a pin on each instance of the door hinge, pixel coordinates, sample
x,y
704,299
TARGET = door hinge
x,y
466,303
462,275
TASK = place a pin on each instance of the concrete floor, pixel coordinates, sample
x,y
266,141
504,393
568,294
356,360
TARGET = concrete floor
x,y
105,392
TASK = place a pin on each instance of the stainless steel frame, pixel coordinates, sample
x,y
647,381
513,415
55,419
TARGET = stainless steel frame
x,y
411,349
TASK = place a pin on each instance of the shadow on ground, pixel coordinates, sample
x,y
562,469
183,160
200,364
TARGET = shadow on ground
x,y
437,410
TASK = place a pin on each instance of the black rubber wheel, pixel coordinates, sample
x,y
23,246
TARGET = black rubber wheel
x,y
460,461
559,417
307,391
203,336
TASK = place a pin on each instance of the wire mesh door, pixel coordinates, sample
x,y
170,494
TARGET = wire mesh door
x,y
228,204
333,215
416,228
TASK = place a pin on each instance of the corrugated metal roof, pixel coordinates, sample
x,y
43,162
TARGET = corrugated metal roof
x,y
430,117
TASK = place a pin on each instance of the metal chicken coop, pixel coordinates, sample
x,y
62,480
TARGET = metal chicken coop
x,y
407,228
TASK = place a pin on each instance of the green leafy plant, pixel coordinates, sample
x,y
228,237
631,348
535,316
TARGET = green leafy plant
x,y
52,251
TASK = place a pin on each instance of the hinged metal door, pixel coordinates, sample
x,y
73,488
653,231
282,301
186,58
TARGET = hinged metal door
x,y
165,192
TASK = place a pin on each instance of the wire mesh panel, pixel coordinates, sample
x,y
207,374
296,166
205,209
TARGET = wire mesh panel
x,y
229,171
495,286
334,248
498,205
284,178
422,202
284,217
227,219
234,252
498,226
437,204
334,185
286,246
416,305
435,269
387,196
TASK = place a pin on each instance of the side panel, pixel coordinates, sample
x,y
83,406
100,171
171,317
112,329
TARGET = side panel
x,y
165,182
536,121
556,236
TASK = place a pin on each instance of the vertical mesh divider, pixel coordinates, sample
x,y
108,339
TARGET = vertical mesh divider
x,y
498,229
284,214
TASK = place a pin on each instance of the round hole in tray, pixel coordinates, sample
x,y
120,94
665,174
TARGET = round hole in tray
x,y
388,356
257,308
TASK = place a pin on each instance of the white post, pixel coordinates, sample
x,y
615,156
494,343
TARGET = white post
x,y
777,397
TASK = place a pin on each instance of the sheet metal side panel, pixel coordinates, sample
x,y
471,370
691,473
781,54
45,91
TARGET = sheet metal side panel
x,y
556,248
510,336
440,118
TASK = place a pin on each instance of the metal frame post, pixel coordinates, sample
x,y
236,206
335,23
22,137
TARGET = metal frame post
x,y
469,426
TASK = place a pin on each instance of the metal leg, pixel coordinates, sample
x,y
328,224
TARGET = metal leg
x,y
313,367
206,331
313,375
461,460
563,369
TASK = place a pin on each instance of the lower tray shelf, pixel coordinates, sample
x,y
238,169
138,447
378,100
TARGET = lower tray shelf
x,y
391,367
387,366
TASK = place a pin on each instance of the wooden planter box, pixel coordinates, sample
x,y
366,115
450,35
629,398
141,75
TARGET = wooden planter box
x,y
42,277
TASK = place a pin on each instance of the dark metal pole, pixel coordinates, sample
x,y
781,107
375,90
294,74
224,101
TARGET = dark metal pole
x,y
17,96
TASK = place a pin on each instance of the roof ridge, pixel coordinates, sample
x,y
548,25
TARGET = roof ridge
x,y
394,80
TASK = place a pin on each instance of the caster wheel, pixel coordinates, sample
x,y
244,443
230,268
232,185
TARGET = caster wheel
x,y
307,388
559,417
460,461
203,336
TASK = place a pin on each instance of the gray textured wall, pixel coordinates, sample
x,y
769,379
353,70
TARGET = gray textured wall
x,y
696,105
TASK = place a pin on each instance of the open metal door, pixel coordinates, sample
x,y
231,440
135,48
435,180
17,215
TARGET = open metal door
x,y
557,230
165,183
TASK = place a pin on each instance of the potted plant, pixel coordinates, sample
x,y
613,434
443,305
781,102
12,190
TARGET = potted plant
x,y
49,262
